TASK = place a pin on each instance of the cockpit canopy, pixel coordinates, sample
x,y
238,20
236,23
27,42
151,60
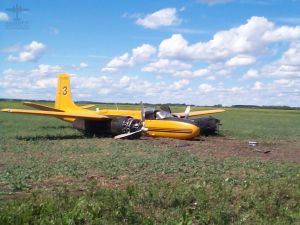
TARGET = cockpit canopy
x,y
163,113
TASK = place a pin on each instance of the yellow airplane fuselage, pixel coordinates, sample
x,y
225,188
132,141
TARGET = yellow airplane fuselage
x,y
179,129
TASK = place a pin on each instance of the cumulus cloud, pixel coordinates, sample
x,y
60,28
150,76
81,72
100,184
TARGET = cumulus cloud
x,y
29,53
176,68
15,83
206,88
44,69
250,74
236,47
241,60
284,83
248,39
257,85
3,17
138,55
163,17
167,66
182,69
287,66
81,66
28,84
282,33
177,85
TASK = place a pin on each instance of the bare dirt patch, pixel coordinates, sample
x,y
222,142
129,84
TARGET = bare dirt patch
x,y
223,147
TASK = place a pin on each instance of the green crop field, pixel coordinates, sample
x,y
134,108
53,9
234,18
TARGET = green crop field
x,y
52,174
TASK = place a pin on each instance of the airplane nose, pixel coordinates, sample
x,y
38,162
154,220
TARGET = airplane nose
x,y
195,131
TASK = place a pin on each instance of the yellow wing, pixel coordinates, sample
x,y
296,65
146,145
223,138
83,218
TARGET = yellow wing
x,y
48,108
58,114
199,113
41,107
87,106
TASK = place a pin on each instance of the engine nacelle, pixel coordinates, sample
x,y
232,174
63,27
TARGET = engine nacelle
x,y
114,126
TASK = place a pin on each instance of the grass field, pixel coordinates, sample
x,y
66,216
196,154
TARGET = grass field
x,y
52,174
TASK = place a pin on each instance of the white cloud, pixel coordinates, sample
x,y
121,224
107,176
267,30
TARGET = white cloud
x,y
4,17
287,66
257,85
249,39
241,60
211,78
292,55
282,33
81,65
177,85
44,69
201,72
139,55
117,63
205,88
175,68
28,84
46,83
179,68
163,17
250,74
166,66
29,53
104,91
32,84
284,82
142,53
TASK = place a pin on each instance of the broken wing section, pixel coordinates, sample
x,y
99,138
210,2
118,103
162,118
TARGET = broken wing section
x,y
199,113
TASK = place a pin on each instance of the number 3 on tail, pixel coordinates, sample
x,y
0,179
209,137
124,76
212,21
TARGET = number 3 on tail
x,y
65,90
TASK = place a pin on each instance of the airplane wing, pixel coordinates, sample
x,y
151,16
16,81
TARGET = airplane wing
x,y
41,107
199,113
58,114
48,108
87,106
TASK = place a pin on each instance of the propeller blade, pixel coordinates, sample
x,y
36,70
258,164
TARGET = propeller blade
x,y
187,112
143,129
142,112
127,134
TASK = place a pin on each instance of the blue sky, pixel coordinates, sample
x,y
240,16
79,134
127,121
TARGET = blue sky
x,y
202,52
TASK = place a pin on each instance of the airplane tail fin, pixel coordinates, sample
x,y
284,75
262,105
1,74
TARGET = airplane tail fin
x,y
64,99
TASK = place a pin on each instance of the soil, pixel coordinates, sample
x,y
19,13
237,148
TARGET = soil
x,y
222,147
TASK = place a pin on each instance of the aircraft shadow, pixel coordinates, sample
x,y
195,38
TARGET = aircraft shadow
x,y
51,137
57,127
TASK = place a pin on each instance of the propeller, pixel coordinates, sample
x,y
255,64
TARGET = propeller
x,y
187,112
143,128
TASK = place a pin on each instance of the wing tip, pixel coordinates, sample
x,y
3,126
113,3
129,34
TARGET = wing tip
x,y
6,110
